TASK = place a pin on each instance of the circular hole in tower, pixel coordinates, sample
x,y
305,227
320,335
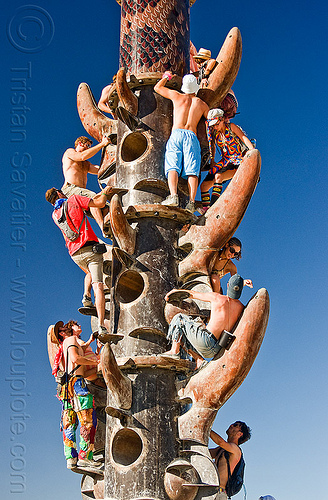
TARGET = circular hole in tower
x,y
126,447
130,286
133,146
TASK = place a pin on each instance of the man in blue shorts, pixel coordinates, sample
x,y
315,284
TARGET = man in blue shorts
x,y
182,155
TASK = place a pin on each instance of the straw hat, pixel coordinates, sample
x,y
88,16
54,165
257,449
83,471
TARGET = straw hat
x,y
203,54
54,332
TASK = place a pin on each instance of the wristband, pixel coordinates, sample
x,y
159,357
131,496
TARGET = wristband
x,y
167,76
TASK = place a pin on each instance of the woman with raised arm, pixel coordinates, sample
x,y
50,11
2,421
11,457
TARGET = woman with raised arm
x,y
223,264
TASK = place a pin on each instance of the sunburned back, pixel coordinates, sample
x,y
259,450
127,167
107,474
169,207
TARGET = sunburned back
x,y
75,172
68,352
224,314
187,111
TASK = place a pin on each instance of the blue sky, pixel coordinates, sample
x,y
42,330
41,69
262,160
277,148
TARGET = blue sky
x,y
281,89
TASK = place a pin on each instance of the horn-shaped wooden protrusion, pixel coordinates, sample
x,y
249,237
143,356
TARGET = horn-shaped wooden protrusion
x,y
223,218
120,387
127,98
223,76
210,388
97,124
123,232
93,120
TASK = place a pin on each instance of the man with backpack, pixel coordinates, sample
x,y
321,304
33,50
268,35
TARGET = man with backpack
x,y
229,458
77,401
82,243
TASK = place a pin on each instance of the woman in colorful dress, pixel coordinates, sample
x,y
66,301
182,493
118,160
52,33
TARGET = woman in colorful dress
x,y
232,142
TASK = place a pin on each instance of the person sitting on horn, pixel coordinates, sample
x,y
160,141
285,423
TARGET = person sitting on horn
x,y
231,140
223,264
103,101
228,452
200,340
183,154
76,168
205,64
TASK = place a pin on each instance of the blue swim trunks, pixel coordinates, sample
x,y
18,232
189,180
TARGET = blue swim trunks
x,y
183,153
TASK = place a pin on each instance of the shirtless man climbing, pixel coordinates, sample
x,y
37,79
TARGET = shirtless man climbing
x,y
200,340
238,433
183,153
76,168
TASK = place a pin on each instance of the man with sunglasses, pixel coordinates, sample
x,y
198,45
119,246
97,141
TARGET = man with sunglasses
x,y
228,451
76,168
200,340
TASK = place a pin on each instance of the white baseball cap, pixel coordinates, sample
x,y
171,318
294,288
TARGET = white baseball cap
x,y
267,497
189,84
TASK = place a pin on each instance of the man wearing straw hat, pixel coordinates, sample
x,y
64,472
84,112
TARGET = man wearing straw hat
x,y
205,66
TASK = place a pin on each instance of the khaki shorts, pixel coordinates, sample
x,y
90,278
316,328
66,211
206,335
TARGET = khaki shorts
x,y
89,261
70,189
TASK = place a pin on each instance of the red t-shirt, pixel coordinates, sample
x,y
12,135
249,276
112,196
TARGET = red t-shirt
x,y
75,206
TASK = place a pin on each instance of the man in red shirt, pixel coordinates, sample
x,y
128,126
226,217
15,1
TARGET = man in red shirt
x,y
81,249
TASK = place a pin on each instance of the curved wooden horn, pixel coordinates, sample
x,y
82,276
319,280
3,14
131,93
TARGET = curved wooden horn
x,y
128,99
223,218
122,231
222,77
93,120
212,387
120,387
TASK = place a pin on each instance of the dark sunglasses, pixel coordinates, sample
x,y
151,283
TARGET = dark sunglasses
x,y
233,251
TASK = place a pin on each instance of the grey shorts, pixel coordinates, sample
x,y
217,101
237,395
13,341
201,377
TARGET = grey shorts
x,y
193,335
89,261
70,189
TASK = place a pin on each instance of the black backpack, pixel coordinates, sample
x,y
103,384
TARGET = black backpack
x,y
62,223
236,479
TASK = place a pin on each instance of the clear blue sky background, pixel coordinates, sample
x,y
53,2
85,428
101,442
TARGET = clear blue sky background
x,y
281,88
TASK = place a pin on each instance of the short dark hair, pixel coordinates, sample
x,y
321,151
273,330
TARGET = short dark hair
x,y
52,195
245,430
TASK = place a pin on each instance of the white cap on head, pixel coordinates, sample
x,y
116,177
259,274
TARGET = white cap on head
x,y
213,116
267,497
189,84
